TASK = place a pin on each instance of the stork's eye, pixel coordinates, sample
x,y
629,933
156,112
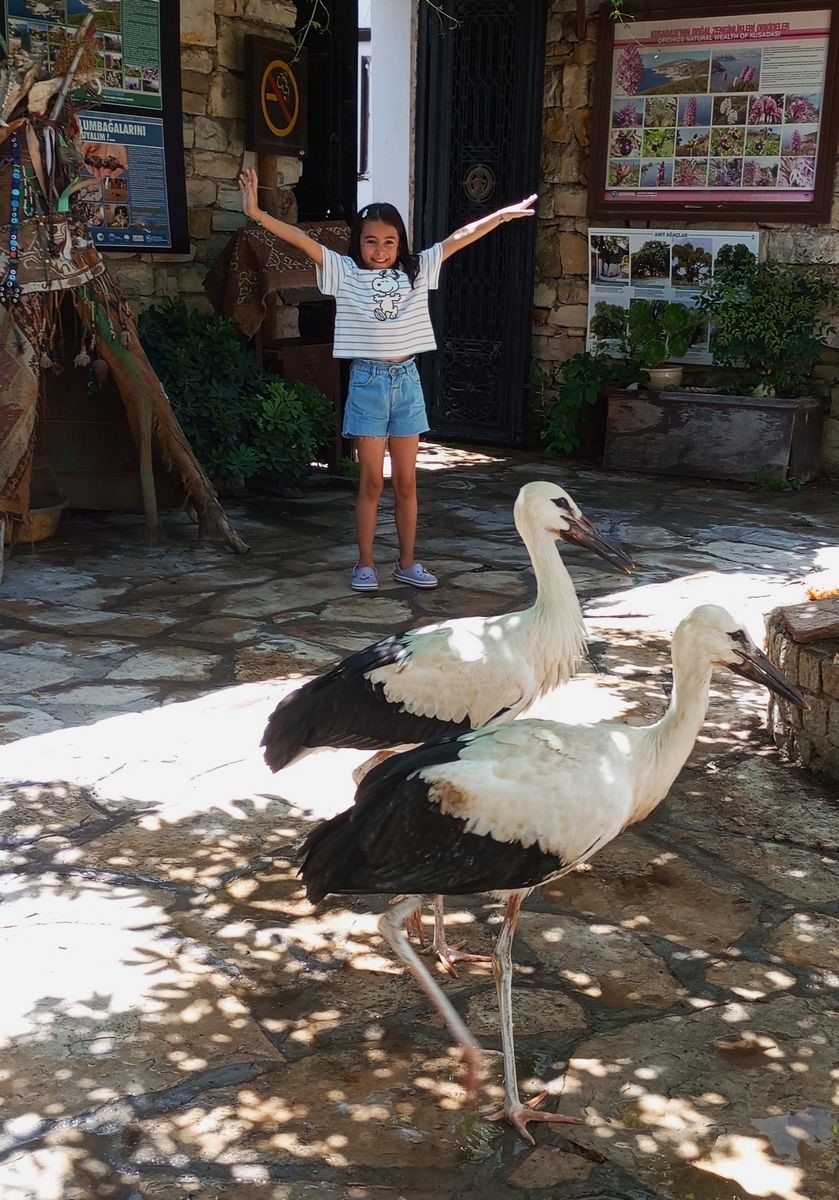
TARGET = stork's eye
x,y
738,636
562,503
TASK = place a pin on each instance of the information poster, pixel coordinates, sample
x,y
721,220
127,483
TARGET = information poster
x,y
126,200
126,37
708,109
132,140
650,266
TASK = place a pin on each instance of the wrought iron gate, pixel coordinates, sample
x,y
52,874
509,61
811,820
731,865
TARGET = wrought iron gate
x,y
479,105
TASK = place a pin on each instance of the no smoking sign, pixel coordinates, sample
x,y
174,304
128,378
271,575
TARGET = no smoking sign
x,y
275,82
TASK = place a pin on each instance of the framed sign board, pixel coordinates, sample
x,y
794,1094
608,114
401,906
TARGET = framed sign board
x,y
655,267
275,98
723,110
132,141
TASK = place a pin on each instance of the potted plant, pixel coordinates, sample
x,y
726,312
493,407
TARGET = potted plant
x,y
761,415
649,333
568,394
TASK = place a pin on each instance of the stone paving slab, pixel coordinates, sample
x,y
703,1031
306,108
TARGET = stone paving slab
x,y
181,1022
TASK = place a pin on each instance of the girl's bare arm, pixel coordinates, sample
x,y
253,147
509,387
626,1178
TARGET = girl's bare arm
x,y
478,229
281,229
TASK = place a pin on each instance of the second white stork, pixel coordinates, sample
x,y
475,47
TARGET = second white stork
x,y
506,809
456,675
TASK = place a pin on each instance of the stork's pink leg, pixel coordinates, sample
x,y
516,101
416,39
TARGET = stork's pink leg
x,y
519,1115
449,955
413,923
390,926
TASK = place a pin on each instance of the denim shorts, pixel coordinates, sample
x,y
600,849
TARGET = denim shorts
x,y
384,400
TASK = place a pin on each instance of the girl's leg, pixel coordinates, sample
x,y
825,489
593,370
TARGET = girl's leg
x,y
371,458
403,476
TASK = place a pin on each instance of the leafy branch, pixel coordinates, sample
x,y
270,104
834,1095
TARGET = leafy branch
x,y
443,16
316,23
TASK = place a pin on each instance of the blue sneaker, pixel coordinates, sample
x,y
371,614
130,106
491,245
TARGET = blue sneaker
x,y
364,579
416,575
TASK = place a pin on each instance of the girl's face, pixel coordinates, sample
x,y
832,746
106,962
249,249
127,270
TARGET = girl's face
x,y
379,245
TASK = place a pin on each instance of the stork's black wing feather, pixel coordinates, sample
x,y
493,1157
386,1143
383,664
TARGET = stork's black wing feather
x,y
396,839
341,708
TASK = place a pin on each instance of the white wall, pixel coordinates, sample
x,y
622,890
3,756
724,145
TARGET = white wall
x,y
391,49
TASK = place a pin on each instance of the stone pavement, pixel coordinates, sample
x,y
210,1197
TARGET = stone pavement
x,y
177,1021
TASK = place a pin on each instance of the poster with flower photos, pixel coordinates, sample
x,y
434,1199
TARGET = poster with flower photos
x,y
718,113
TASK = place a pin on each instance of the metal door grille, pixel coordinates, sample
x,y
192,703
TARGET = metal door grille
x,y
481,83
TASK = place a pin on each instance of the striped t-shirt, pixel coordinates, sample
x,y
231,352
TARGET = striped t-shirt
x,y
377,313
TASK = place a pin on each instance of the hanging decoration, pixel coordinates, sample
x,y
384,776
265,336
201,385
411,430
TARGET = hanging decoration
x,y
46,259
10,288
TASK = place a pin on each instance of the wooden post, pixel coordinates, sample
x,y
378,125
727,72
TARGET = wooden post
x,y
268,194
266,170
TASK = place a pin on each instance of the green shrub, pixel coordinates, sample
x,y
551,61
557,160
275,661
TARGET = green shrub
x,y
569,390
241,421
293,422
768,327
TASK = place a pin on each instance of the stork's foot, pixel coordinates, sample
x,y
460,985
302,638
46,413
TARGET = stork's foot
x,y
448,955
520,1116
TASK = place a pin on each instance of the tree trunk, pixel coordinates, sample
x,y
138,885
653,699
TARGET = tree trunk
x,y
148,409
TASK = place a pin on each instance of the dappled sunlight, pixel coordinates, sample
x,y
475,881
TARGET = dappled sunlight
x,y
122,997
177,1017
585,700
749,595
745,1160
440,457
187,758
371,1106
662,1103
630,886
69,831
107,1001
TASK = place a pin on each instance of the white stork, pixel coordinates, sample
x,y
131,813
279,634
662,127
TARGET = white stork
x,y
457,675
506,809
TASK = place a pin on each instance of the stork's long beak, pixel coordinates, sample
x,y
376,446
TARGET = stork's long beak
x,y
585,533
756,666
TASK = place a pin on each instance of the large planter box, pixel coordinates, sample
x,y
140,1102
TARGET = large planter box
x,y
717,437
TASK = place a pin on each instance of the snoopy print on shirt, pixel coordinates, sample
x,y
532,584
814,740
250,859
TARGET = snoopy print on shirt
x,y
385,287
379,314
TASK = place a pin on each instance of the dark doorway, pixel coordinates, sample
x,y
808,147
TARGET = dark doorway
x,y
479,112
326,190
327,184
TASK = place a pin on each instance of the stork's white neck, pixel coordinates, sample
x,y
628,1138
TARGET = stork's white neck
x,y
556,612
669,741
554,587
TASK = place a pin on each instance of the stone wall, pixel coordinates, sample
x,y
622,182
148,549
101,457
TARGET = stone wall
x,y
804,643
212,37
561,291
